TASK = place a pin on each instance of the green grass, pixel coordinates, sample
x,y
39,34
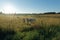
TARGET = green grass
x,y
46,27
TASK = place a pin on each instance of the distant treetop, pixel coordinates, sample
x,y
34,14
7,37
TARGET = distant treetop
x,y
0,12
50,13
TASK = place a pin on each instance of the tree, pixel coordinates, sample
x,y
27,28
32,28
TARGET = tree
x,y
50,13
0,12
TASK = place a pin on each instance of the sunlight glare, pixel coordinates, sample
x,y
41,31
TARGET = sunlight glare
x,y
8,9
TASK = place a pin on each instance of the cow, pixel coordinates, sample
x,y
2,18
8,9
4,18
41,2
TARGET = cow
x,y
29,20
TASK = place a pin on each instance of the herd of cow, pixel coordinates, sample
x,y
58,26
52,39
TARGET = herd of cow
x,y
29,20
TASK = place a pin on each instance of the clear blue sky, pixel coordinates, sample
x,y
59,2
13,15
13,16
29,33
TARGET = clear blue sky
x,y
34,5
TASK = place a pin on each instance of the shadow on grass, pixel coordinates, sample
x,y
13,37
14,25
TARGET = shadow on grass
x,y
43,33
6,34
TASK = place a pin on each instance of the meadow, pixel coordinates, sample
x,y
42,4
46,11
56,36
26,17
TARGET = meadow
x,y
16,27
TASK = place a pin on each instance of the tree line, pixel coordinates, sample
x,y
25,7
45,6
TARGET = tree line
x,y
41,13
52,13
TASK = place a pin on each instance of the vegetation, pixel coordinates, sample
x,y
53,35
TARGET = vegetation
x,y
46,27
50,13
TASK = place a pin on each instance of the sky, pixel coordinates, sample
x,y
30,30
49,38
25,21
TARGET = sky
x,y
30,6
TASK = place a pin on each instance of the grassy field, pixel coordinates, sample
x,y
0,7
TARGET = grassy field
x,y
45,27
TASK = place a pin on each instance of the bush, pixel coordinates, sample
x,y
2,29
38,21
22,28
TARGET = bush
x,y
30,33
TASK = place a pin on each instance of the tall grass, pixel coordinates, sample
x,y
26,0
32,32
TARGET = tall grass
x,y
46,27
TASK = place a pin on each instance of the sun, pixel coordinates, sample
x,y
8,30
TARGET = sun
x,y
9,9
